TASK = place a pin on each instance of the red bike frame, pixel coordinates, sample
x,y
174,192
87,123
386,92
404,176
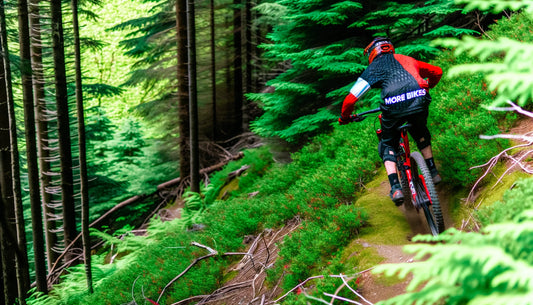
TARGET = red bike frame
x,y
406,163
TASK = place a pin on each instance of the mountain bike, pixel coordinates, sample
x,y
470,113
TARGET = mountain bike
x,y
415,177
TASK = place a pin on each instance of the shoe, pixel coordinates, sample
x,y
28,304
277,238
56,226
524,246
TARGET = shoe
x,y
435,176
396,195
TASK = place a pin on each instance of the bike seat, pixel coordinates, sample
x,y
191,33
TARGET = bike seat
x,y
405,126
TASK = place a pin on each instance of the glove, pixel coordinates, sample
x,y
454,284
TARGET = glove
x,y
344,121
356,118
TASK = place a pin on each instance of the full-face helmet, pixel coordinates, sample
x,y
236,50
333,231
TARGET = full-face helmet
x,y
379,45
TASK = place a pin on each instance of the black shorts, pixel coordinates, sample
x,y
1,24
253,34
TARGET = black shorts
x,y
390,135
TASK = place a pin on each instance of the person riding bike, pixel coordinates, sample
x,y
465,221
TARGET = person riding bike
x,y
405,84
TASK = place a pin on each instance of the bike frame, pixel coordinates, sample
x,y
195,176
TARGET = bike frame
x,y
404,161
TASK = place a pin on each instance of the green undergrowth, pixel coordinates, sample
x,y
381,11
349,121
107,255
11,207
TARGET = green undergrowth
x,y
461,267
387,223
317,188
330,188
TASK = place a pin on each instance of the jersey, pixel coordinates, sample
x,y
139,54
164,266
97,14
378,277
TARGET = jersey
x,y
404,83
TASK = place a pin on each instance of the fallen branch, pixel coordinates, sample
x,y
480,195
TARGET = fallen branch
x,y
296,287
212,253
206,170
55,269
493,161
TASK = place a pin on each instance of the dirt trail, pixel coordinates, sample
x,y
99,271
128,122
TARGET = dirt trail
x,y
373,287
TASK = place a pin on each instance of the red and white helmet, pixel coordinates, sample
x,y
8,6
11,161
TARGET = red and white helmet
x,y
379,45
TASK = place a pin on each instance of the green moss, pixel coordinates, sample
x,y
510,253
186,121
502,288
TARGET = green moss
x,y
457,209
358,257
387,224
227,189
492,190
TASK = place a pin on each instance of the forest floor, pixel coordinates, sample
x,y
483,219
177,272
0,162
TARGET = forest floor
x,y
375,288
386,236
381,241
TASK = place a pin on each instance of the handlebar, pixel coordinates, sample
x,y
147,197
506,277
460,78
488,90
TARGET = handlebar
x,y
361,116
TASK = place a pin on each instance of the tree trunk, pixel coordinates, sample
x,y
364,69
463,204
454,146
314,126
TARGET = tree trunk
x,y
14,210
65,149
42,131
86,239
248,64
8,292
248,47
183,88
237,67
193,99
31,148
213,69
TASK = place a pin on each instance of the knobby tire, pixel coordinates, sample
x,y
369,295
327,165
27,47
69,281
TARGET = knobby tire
x,y
433,212
407,202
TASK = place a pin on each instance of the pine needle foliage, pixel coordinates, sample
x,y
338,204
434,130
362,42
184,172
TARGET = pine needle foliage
x,y
490,267
498,5
494,265
321,42
505,60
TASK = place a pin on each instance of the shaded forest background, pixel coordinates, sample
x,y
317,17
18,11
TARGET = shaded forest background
x,y
95,113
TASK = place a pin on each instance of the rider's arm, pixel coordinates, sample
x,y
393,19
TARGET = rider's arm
x,y
360,87
431,72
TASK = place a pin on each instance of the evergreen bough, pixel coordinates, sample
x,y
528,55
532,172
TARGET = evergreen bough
x,y
494,266
321,43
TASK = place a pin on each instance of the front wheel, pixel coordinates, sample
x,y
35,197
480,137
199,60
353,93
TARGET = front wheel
x,y
427,197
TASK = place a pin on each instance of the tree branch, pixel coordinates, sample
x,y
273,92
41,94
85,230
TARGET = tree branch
x,y
212,253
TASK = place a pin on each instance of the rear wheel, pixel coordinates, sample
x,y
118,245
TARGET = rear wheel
x,y
407,202
430,205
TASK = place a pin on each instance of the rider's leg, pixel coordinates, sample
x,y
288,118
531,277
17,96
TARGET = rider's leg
x,y
422,136
390,167
389,140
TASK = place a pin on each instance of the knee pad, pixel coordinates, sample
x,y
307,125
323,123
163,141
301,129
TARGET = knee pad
x,y
423,142
386,152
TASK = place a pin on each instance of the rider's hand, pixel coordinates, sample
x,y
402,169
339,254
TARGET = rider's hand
x,y
355,118
344,121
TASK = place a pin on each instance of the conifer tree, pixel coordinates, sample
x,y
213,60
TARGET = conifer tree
x,y
7,238
42,129
63,121
183,88
14,208
84,184
322,43
31,148
193,97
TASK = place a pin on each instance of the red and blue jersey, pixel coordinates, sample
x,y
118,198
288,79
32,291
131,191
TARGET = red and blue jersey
x,y
404,83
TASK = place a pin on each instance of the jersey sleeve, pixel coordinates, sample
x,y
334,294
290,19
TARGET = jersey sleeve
x,y
431,72
360,87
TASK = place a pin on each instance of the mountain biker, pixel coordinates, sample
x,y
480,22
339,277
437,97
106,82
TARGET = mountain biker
x,y
405,84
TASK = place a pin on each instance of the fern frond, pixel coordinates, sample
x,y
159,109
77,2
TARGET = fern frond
x,y
511,77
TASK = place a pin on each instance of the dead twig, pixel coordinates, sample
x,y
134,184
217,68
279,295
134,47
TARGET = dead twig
x,y
212,252
527,138
296,287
